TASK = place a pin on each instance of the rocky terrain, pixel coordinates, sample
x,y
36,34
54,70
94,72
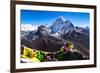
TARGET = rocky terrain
x,y
52,38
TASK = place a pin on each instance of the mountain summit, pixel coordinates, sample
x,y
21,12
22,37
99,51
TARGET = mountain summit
x,y
61,24
43,30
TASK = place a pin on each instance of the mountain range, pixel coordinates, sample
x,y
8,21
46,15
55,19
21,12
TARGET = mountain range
x,y
52,38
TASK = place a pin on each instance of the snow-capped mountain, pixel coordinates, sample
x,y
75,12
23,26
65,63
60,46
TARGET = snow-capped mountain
x,y
87,28
43,30
81,30
28,27
53,37
61,25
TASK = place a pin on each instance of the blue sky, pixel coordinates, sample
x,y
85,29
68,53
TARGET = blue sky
x,y
48,17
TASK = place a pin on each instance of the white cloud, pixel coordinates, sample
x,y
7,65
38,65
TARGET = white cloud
x,y
28,27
